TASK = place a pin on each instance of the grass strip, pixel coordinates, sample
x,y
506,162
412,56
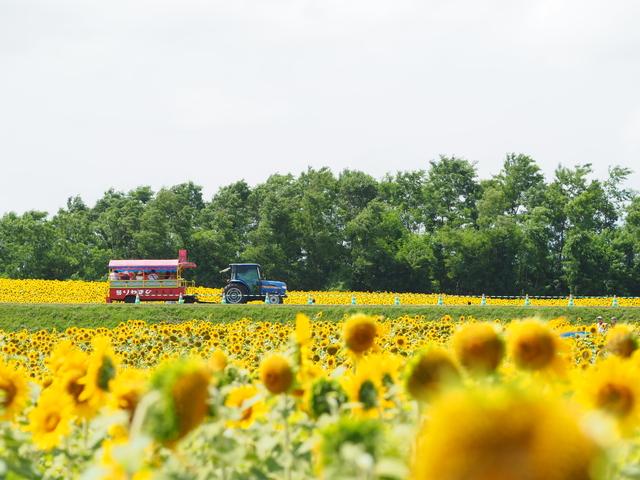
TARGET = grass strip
x,y
61,316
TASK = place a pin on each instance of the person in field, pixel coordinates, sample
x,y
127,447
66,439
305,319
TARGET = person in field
x,y
602,326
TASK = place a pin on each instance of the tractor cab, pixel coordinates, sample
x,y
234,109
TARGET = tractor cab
x,y
246,284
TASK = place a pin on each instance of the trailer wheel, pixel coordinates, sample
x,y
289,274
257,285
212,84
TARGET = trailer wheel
x,y
130,299
274,298
189,298
236,294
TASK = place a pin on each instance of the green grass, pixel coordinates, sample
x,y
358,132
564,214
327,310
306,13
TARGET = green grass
x,y
60,316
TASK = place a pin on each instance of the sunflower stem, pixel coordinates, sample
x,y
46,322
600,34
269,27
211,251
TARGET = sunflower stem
x,y
140,413
85,433
287,439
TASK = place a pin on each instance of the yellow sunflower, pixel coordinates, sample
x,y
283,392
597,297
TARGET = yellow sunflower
x,y
276,373
499,434
360,332
429,372
248,404
612,387
534,346
387,366
365,386
50,420
621,341
183,399
190,396
62,356
217,361
127,389
479,347
70,379
14,391
102,368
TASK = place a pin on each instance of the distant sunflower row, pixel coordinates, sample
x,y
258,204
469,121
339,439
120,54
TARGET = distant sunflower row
x,y
75,291
363,398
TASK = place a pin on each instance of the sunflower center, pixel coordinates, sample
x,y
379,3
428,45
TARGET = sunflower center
x,y
360,337
616,399
75,389
51,421
246,414
8,392
483,353
128,401
190,400
536,352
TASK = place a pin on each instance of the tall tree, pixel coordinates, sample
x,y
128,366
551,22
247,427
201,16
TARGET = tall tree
x,y
373,240
451,192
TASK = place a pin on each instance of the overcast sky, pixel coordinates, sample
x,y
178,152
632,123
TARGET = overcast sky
x,y
97,94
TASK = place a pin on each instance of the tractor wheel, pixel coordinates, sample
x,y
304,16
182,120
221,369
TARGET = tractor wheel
x,y
274,298
189,298
236,294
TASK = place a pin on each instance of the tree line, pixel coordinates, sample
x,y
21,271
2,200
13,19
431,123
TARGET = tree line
x,y
441,229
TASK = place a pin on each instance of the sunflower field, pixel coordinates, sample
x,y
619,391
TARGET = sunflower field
x,y
365,398
77,291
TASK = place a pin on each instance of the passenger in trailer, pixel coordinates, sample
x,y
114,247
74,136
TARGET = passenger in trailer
x,y
124,275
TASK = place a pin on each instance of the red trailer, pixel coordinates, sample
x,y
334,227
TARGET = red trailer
x,y
149,280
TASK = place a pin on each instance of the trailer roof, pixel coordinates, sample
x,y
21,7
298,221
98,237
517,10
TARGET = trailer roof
x,y
172,264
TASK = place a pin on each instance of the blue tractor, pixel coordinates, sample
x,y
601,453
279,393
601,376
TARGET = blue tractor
x,y
246,284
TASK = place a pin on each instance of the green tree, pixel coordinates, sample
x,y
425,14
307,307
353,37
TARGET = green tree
x,y
373,240
221,232
405,191
316,220
26,244
275,240
451,192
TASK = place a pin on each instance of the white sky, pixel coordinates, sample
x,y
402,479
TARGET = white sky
x,y
97,94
